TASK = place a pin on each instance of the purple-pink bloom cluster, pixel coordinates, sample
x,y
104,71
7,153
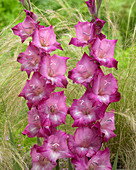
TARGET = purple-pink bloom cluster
x,y
47,109
94,124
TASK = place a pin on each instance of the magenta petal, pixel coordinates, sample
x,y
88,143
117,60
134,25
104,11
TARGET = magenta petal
x,y
115,97
31,14
98,25
101,36
25,29
108,134
85,142
108,121
85,111
54,109
84,71
104,88
40,162
56,146
77,42
103,51
45,38
107,125
100,161
31,130
53,69
29,59
34,128
84,34
80,163
36,90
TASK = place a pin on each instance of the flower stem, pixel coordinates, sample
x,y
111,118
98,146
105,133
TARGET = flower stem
x,y
57,167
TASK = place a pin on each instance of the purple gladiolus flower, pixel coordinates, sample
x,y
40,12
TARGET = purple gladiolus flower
x,y
80,163
29,59
40,162
99,161
84,34
91,6
45,39
34,126
37,126
54,109
36,90
53,70
84,71
25,29
103,51
56,147
85,111
104,88
106,126
87,32
85,142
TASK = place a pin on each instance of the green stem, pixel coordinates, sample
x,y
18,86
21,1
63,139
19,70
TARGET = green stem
x,y
57,167
69,164
38,141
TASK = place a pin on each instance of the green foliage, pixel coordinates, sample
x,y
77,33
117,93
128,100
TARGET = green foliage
x,y
115,162
9,10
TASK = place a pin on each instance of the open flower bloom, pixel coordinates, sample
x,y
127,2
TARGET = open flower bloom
x,y
25,29
104,88
36,90
34,127
45,39
106,125
85,111
85,142
56,147
54,109
99,161
53,69
91,6
84,34
80,163
40,162
103,51
29,59
84,71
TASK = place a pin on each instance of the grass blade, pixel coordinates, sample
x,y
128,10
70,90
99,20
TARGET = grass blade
x,y
15,163
69,164
10,132
57,167
38,141
115,161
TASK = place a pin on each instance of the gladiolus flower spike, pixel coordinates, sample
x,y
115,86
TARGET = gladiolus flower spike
x,y
47,109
